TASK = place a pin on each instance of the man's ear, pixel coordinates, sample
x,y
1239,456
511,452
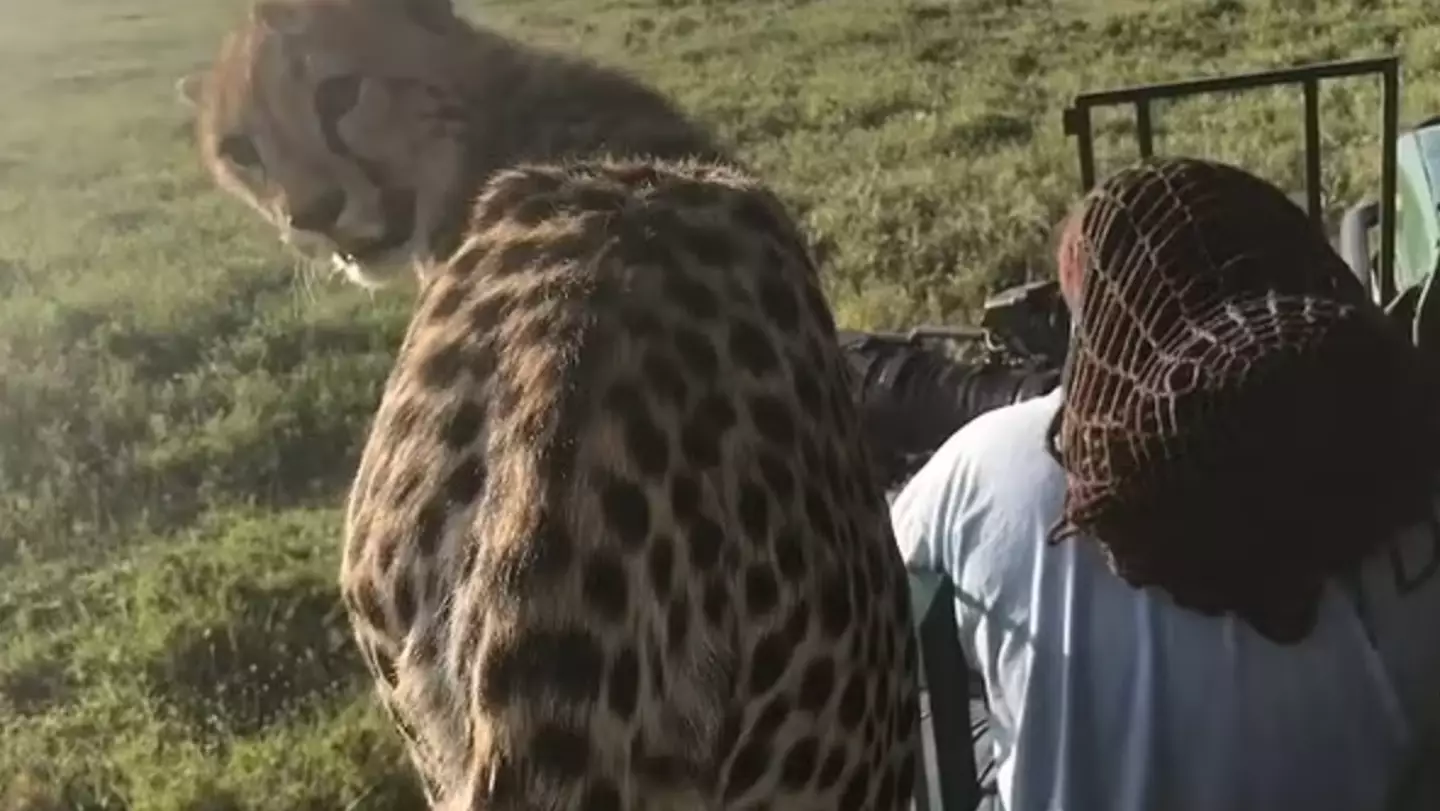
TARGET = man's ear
x,y
189,88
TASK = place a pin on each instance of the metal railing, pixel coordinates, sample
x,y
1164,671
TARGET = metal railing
x,y
1077,122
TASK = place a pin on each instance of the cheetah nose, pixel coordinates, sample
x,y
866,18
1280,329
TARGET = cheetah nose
x,y
320,214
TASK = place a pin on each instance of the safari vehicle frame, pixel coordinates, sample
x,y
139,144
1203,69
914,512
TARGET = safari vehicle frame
x,y
948,779
1077,123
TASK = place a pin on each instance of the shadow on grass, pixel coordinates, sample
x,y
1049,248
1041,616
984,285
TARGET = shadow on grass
x,y
34,687
288,654
393,792
37,794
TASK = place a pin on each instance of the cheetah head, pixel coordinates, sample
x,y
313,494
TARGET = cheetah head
x,y
328,117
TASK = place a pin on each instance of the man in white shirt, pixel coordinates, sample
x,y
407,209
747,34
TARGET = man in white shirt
x,y
1266,669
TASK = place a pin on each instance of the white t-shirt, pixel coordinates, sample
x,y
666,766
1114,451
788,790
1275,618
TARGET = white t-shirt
x,y
1111,698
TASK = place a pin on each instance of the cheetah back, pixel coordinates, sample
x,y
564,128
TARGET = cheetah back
x,y
615,541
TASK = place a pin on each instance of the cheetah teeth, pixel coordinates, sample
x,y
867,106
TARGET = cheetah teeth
x,y
343,264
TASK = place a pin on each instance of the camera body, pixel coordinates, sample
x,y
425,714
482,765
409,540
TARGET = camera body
x,y
1029,322
1025,326
915,389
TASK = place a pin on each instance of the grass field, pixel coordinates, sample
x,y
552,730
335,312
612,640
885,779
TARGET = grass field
x,y
179,415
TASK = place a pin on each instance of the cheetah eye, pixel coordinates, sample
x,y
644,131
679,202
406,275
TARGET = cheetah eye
x,y
336,96
239,150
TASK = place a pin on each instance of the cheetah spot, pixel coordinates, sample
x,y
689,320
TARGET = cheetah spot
x,y
34,686
697,352
624,684
817,685
770,660
568,665
752,349
626,510
707,540
749,765
605,586
693,295
773,419
560,751
779,303
798,765
762,592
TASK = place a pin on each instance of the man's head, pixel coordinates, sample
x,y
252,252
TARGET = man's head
x,y
1233,399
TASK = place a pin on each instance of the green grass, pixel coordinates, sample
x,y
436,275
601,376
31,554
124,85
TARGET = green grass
x,y
179,416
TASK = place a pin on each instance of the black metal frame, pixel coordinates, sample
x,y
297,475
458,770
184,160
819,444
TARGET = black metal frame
x,y
946,680
1077,122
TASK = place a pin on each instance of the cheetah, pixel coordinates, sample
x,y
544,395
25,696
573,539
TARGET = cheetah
x,y
363,129
615,541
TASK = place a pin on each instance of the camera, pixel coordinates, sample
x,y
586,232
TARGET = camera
x,y
915,389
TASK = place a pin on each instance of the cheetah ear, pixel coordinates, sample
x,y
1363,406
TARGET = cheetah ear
x,y
188,90
280,16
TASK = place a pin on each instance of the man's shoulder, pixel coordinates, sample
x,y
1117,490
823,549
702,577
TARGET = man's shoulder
x,y
999,451
1036,410
1009,430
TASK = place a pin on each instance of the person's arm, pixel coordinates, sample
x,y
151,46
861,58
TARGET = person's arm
x,y
924,513
932,518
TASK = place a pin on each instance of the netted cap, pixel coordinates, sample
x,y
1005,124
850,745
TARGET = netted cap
x,y
1240,421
